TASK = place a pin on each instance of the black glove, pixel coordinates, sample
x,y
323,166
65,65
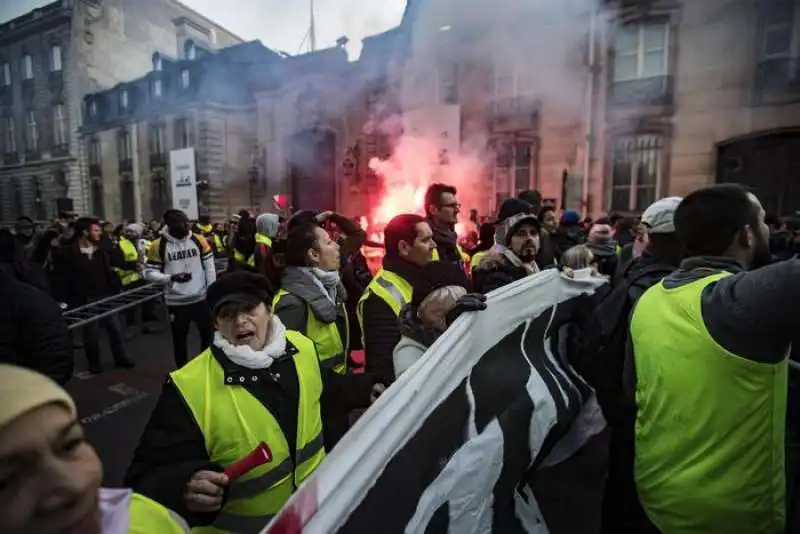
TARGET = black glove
x,y
470,302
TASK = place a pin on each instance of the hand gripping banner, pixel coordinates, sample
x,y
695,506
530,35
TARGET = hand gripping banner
x,y
455,444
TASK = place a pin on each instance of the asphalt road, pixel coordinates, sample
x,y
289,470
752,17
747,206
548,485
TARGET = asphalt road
x,y
115,406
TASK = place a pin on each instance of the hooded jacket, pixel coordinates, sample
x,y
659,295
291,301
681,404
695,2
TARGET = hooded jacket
x,y
500,266
414,341
169,255
267,224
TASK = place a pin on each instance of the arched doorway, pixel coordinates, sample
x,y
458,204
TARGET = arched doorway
x,y
312,163
768,164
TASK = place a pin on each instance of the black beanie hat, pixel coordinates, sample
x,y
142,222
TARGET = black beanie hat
x,y
240,286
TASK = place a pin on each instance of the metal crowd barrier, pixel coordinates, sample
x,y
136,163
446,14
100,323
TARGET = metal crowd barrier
x,y
94,311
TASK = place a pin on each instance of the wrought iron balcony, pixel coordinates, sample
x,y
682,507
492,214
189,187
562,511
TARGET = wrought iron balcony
x,y
515,113
651,91
777,81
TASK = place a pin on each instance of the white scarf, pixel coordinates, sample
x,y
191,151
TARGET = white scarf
x,y
246,356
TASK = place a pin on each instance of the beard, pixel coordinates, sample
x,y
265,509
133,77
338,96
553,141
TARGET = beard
x,y
179,232
527,255
761,255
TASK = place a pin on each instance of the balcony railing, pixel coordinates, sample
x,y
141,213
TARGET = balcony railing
x,y
513,113
158,160
651,91
777,81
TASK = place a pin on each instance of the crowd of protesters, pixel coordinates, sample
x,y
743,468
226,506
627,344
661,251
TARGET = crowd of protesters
x,y
709,276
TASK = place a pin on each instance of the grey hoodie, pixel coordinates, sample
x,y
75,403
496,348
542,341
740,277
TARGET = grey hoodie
x,y
267,224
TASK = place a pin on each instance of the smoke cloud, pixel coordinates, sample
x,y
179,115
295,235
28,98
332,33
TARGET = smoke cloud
x,y
468,57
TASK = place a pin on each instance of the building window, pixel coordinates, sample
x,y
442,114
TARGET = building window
x,y
98,205
191,50
10,131
27,67
6,75
157,88
158,64
19,200
183,133
59,125
93,108
95,152
448,83
636,164
641,52
157,139
513,168
124,146
39,201
32,138
55,58
185,79
123,99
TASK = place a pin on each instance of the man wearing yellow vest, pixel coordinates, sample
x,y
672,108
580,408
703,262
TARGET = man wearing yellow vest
x,y
131,252
709,370
442,209
258,383
409,245
204,228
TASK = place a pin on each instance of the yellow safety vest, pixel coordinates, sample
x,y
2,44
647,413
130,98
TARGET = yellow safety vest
x,y
332,351
148,517
261,239
393,289
709,425
213,239
476,259
234,422
464,255
130,254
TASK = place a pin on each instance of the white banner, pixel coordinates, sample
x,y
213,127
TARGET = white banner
x,y
449,446
183,177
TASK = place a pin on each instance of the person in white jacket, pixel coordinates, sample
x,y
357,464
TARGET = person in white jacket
x,y
185,262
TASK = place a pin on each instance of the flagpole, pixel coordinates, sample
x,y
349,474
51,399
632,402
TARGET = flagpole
x,y
312,30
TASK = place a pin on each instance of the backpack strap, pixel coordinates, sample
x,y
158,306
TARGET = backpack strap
x,y
162,251
200,248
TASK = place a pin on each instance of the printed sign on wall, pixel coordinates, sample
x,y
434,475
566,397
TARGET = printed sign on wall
x,y
183,178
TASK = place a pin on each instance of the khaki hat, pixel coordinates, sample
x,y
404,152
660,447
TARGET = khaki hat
x,y
23,390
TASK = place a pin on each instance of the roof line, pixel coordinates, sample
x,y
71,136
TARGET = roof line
x,y
206,19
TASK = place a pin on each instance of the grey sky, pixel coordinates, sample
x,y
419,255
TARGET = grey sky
x,y
279,24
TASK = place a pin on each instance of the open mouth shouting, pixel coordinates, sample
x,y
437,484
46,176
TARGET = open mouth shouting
x,y
245,337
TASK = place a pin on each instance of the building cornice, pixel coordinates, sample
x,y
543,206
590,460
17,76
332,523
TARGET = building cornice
x,y
35,21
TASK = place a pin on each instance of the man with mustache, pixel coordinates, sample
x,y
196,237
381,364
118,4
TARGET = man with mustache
x,y
517,238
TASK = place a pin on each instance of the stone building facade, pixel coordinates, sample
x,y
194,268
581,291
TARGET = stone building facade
x,y
53,56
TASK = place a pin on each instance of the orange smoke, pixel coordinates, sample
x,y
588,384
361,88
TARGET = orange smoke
x,y
415,164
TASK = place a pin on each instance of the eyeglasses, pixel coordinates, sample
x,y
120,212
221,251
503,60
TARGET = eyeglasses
x,y
454,205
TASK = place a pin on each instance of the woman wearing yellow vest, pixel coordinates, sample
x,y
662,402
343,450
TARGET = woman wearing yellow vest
x,y
312,301
258,383
709,370
50,476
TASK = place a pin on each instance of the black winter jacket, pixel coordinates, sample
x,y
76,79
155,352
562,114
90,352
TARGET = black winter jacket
x,y
172,447
381,325
33,333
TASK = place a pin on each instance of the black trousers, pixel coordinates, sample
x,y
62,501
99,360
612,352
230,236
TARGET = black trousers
x,y
91,341
180,318
148,308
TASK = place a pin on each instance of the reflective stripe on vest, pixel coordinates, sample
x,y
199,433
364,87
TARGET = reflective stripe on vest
x,y
146,516
710,424
391,288
262,239
234,422
240,258
331,349
130,254
464,255
476,259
